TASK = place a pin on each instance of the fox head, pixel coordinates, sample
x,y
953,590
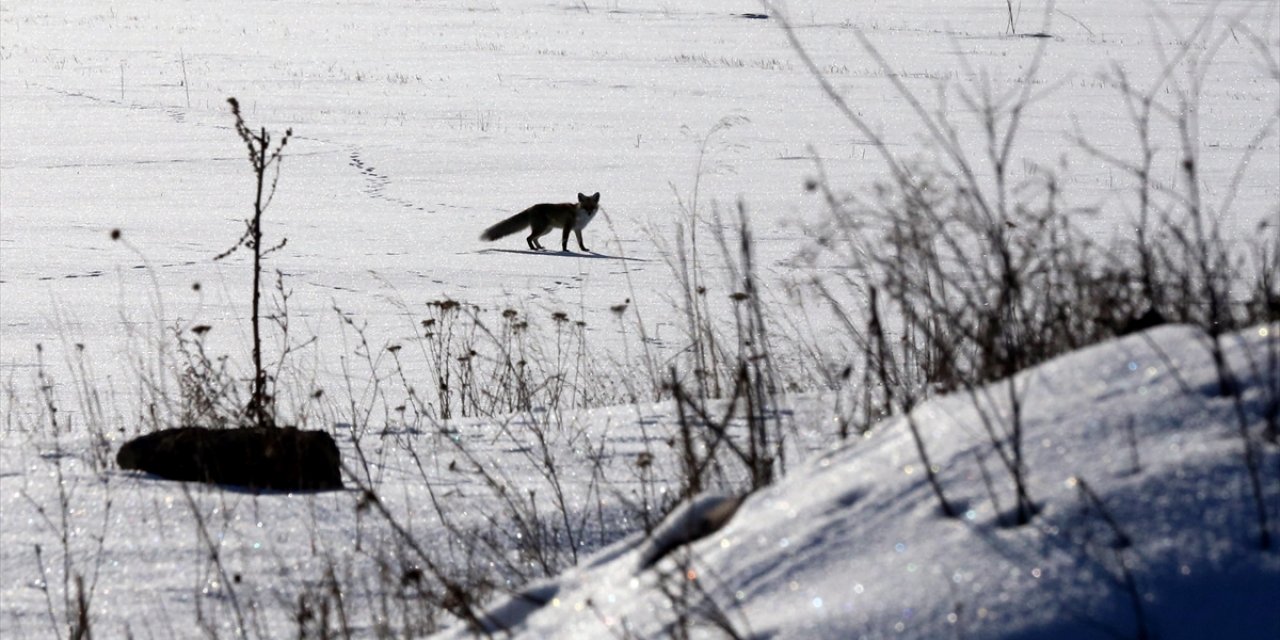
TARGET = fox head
x,y
589,204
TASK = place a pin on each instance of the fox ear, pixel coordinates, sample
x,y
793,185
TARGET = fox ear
x,y
596,197
581,198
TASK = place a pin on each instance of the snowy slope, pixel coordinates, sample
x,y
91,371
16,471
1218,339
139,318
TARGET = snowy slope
x,y
854,546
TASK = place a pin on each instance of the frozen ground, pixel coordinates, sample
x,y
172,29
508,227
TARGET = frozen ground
x,y
850,544
419,124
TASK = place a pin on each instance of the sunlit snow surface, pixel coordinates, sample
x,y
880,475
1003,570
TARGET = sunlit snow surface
x,y
419,124
853,545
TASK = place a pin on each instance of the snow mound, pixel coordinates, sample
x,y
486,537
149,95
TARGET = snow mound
x,y
1145,524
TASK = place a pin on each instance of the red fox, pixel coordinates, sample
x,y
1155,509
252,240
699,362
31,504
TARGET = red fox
x,y
540,218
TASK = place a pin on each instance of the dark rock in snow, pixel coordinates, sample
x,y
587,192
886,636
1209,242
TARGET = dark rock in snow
x,y
280,459
692,521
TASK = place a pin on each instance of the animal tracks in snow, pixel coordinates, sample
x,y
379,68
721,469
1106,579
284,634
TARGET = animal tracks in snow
x,y
375,183
72,276
98,273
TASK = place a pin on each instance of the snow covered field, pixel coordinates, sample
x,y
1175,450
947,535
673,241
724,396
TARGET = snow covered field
x,y
416,125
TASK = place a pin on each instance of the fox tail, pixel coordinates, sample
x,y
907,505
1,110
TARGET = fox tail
x,y
506,227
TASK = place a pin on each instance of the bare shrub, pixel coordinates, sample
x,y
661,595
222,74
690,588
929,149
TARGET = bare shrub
x,y
978,275
264,157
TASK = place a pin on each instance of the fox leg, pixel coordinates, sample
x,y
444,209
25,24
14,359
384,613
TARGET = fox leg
x,y
564,244
537,230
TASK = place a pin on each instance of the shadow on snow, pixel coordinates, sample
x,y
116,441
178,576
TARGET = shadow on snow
x,y
562,254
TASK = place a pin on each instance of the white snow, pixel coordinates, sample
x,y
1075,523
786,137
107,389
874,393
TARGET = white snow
x,y
416,126
854,545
